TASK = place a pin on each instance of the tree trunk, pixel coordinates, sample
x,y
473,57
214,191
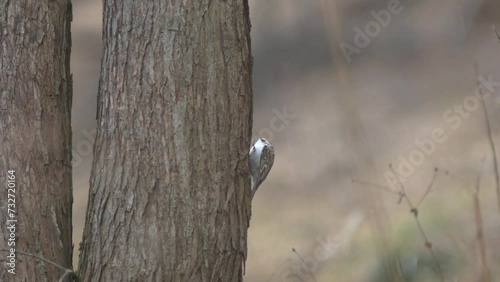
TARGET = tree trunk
x,y
169,197
35,133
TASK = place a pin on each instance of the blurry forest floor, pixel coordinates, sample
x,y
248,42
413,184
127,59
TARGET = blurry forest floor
x,y
415,76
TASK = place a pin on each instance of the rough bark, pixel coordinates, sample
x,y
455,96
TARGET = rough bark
x,y
35,135
169,197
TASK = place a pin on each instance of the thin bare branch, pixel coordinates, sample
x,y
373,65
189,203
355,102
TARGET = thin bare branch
x,y
496,32
480,227
414,211
490,138
277,269
480,174
429,188
41,258
303,261
402,188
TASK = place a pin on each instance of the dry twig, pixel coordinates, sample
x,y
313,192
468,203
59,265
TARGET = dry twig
x,y
479,226
68,276
413,209
490,138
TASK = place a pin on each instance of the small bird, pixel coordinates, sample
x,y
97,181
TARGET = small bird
x,y
260,161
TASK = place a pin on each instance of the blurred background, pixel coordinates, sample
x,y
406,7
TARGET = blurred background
x,y
343,89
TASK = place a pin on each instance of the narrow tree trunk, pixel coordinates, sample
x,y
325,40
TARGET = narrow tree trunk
x,y
169,197
35,136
